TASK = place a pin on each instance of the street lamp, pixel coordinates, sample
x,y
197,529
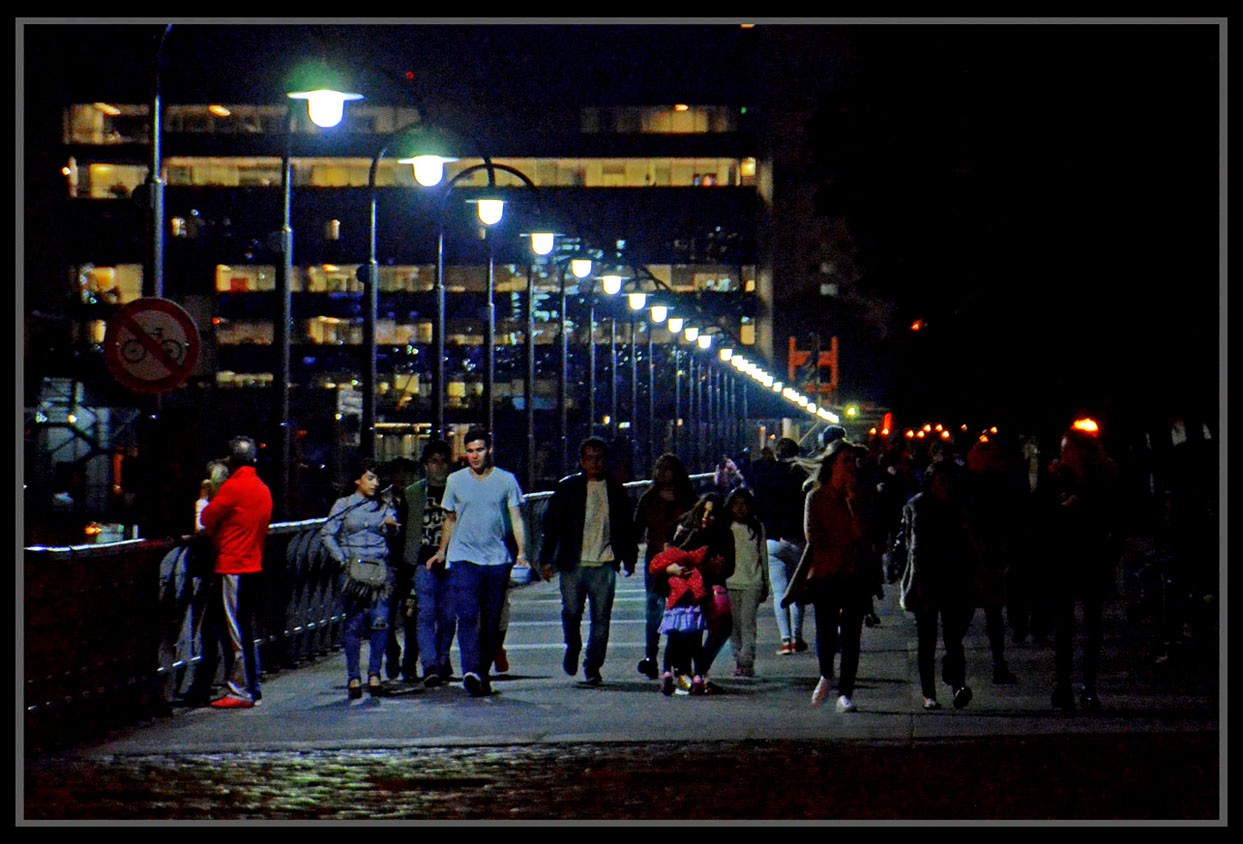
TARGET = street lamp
x,y
314,95
542,243
580,267
490,209
427,150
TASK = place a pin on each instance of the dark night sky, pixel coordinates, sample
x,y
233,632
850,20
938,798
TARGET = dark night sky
x,y
1045,196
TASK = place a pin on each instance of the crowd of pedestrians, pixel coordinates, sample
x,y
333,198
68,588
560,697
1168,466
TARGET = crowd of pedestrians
x,y
954,529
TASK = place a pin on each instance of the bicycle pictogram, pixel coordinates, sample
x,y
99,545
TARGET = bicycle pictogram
x,y
134,350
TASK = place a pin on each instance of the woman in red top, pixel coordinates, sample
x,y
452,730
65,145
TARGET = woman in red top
x,y
833,574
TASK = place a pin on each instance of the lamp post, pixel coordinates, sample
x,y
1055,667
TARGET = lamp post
x,y
613,408
591,366
427,153
580,267
486,209
153,279
651,398
324,103
634,384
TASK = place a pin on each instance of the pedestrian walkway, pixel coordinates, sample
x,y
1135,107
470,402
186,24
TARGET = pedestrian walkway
x,y
540,713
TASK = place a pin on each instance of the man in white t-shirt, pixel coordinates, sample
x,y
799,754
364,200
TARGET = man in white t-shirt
x,y
483,519
589,534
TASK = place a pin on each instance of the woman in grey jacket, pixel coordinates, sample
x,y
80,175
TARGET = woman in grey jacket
x,y
357,527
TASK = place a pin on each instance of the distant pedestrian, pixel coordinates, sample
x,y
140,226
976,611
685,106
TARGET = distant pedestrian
x,y
483,537
588,537
358,527
748,586
726,478
1083,522
781,499
435,622
995,497
659,509
237,519
401,654
833,575
937,581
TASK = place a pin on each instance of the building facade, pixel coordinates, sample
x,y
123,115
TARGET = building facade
x,y
658,171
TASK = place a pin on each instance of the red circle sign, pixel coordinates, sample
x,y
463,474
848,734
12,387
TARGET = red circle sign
x,y
151,345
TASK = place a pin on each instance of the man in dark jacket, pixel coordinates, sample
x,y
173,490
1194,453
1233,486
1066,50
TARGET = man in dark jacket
x,y
588,535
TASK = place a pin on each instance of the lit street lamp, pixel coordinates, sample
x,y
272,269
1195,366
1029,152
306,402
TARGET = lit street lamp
x,y
490,208
427,151
311,85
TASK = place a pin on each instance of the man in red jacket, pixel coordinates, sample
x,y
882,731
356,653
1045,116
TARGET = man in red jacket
x,y
237,520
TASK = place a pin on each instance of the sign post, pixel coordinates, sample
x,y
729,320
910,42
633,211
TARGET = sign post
x,y
151,345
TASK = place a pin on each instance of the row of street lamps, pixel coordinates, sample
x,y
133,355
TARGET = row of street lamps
x,y
428,149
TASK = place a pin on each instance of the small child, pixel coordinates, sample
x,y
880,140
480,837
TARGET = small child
x,y
683,621
748,586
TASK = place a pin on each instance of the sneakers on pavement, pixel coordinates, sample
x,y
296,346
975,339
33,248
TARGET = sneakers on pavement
x,y
962,696
232,703
473,684
845,704
821,694
697,686
930,704
666,684
787,647
1063,698
593,678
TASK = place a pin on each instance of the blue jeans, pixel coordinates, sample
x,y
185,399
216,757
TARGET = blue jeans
x,y
783,557
366,618
598,583
436,622
653,611
478,597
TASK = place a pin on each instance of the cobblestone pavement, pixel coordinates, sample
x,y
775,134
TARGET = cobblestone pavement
x,y
1037,778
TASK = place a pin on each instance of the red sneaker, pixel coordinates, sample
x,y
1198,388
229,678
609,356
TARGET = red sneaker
x,y
232,703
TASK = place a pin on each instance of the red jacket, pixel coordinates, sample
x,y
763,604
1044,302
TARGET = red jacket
x,y
237,520
682,585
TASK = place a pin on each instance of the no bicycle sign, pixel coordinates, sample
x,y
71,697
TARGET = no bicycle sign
x,y
151,345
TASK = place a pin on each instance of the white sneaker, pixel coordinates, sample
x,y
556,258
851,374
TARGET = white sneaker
x,y
821,694
845,704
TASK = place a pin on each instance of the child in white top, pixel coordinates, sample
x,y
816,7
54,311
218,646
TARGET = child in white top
x,y
748,586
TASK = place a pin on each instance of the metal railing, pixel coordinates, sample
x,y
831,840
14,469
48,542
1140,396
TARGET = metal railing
x,y
113,631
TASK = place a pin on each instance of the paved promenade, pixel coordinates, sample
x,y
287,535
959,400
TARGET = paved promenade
x,y
546,748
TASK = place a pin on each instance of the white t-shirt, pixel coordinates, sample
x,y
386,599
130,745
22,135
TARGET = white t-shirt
x,y
597,548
